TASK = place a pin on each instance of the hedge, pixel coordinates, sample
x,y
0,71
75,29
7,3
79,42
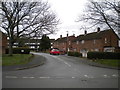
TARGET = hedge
x,y
103,55
19,50
76,54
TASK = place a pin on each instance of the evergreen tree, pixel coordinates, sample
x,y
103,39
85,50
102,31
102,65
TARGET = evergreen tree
x,y
45,43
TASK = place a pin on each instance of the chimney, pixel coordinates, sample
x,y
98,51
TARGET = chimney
x,y
85,32
67,34
98,29
60,36
73,34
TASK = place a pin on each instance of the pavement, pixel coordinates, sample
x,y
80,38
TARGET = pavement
x,y
37,60
40,60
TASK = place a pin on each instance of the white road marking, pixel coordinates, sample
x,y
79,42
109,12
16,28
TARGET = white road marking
x,y
86,76
73,77
62,61
28,77
11,77
106,76
59,77
67,64
44,77
31,77
24,77
114,75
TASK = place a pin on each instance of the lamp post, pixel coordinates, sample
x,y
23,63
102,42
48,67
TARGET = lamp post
x,y
67,43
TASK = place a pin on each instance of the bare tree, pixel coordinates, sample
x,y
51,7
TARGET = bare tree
x,y
26,19
103,13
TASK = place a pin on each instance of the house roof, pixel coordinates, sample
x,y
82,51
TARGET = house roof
x,y
91,36
63,39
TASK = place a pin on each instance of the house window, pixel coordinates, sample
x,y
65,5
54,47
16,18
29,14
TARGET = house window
x,y
32,47
77,42
96,50
109,49
119,43
69,42
75,49
82,41
105,40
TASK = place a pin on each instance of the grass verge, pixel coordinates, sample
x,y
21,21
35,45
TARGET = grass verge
x,y
16,59
109,62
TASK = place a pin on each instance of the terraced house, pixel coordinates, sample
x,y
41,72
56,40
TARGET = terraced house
x,y
64,43
100,41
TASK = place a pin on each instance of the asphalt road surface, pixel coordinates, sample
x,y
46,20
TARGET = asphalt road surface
x,y
61,71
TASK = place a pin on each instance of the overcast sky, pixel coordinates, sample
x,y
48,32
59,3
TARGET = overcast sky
x,y
67,11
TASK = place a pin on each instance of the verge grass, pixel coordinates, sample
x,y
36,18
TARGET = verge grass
x,y
109,62
16,59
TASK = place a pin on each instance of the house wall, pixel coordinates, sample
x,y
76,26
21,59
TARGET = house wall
x,y
64,45
111,39
3,43
88,45
60,45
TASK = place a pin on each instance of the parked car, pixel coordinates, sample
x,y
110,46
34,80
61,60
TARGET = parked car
x,y
54,52
62,52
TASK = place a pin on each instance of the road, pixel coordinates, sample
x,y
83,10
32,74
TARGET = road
x,y
61,72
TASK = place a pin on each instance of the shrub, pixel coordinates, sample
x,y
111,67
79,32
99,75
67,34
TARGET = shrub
x,y
76,54
19,50
103,55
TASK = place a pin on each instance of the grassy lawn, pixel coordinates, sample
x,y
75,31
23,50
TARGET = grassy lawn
x,y
110,62
16,59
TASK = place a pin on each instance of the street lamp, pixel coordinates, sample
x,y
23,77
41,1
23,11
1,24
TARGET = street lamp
x,y
67,42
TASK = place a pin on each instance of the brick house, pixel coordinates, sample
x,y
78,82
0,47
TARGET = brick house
x,y
101,41
3,42
64,43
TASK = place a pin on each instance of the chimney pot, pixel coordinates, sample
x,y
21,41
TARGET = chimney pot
x,y
98,29
60,36
67,34
85,32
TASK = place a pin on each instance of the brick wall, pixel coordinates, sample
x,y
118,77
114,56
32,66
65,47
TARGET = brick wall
x,y
63,45
3,42
111,39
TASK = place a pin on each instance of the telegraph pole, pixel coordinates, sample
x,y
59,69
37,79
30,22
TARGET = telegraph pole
x,y
67,43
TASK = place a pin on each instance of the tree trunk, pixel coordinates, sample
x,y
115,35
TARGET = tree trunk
x,y
10,47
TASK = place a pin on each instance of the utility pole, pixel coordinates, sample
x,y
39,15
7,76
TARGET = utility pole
x,y
67,43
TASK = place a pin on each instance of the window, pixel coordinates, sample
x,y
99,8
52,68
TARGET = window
x,y
69,42
109,49
82,41
32,47
75,49
105,40
96,50
77,42
119,43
